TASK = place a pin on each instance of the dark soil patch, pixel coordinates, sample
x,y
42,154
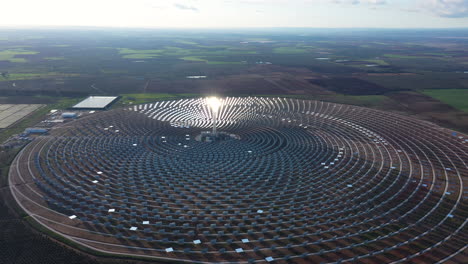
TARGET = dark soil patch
x,y
236,85
431,110
350,86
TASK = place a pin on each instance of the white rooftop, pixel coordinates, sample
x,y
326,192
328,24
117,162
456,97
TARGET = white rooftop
x,y
169,249
94,102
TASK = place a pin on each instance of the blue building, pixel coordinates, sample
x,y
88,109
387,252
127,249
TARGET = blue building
x,y
35,131
69,115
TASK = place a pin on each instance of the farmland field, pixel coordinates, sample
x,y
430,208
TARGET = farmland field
x,y
12,55
333,66
11,113
454,97
146,98
289,50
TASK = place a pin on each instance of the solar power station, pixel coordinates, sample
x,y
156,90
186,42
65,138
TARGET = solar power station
x,y
96,102
12,113
251,180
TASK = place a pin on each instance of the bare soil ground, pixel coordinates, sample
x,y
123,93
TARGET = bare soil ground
x,y
429,109
350,86
257,80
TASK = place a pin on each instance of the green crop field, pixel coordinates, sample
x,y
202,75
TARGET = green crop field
x,y
139,54
437,54
289,50
376,61
213,62
193,58
399,56
54,58
457,98
186,42
9,55
134,51
176,51
140,98
30,76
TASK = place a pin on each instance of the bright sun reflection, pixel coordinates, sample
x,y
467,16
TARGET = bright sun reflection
x,y
214,103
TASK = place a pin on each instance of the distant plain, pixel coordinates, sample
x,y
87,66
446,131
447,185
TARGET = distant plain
x,y
415,72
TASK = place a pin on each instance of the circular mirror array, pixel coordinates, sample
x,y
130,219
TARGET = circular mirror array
x,y
299,181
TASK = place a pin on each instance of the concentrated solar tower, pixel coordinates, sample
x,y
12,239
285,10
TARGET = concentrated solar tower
x,y
214,104
291,181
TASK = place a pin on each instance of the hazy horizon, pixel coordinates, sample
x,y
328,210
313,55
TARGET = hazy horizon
x,y
394,14
224,28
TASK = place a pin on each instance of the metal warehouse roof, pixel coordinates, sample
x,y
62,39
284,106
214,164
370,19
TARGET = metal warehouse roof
x,y
94,102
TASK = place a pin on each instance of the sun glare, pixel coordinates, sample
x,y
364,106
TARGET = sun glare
x,y
214,103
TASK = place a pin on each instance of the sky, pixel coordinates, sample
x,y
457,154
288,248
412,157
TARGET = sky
x,y
236,13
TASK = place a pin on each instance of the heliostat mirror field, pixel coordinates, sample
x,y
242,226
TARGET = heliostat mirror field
x,y
300,181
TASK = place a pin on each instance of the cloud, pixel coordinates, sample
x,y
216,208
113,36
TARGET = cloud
x,y
353,2
153,6
411,10
448,8
357,2
376,2
185,7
